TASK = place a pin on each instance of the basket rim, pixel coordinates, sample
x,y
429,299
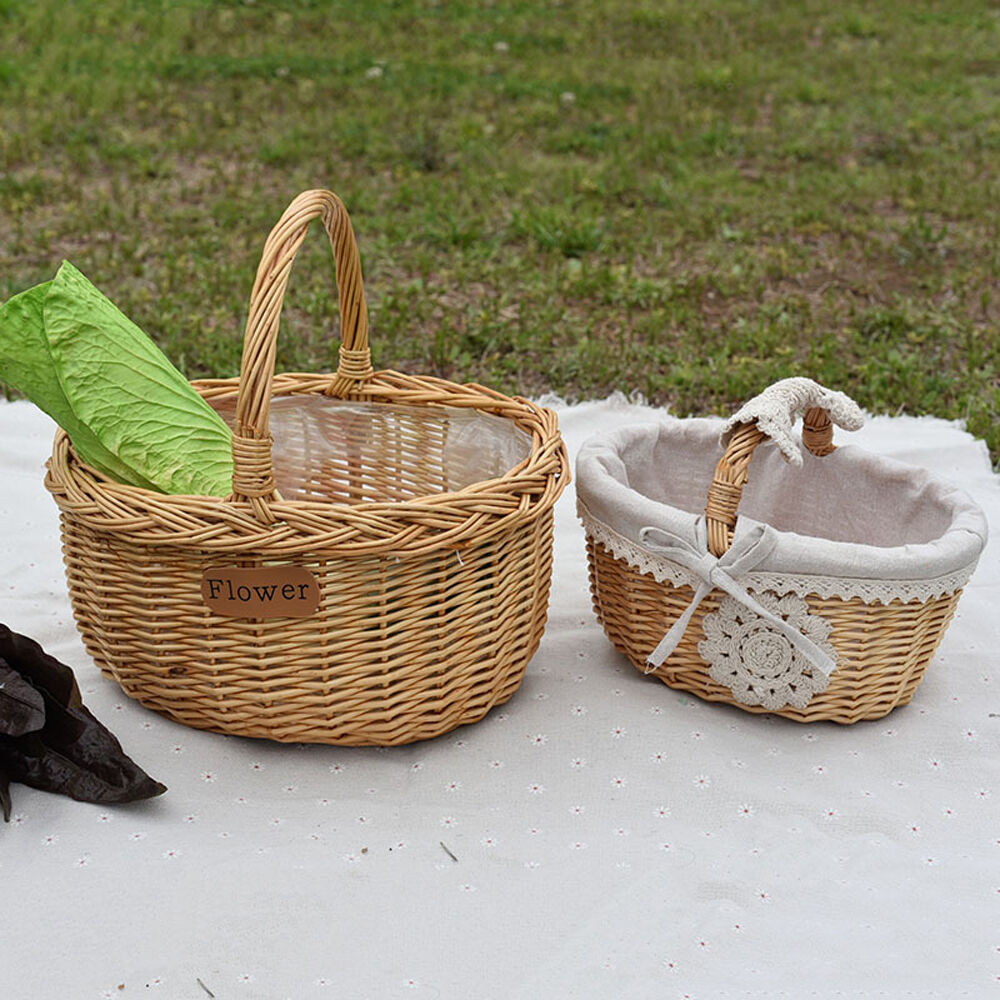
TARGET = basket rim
x,y
478,511
868,590
627,509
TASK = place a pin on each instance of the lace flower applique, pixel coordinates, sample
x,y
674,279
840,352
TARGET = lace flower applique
x,y
755,661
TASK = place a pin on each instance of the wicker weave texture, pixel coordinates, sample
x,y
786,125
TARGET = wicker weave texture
x,y
882,650
398,650
431,602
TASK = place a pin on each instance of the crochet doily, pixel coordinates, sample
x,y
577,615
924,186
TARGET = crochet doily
x,y
755,661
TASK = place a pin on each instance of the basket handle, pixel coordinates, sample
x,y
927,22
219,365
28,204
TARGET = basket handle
x,y
771,415
253,468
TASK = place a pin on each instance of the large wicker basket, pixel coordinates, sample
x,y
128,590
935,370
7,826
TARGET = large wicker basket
x,y
819,616
429,601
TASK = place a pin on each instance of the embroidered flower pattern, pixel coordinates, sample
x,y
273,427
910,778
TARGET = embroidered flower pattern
x,y
755,661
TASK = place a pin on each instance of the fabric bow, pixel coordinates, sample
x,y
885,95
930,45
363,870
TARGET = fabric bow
x,y
722,573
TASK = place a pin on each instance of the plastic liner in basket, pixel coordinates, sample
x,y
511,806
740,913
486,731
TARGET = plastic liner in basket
x,y
350,450
380,573
816,590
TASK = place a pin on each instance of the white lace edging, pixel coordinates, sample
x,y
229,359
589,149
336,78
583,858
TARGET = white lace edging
x,y
664,570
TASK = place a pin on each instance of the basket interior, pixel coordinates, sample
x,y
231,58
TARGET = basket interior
x,y
354,451
850,496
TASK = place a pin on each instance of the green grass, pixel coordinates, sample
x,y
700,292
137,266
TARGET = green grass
x,y
683,200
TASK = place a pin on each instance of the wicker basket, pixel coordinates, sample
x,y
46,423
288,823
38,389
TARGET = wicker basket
x,y
427,602
664,604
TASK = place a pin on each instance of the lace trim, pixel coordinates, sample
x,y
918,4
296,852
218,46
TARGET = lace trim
x,y
870,591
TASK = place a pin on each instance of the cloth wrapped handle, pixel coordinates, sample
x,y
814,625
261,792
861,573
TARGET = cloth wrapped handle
x,y
253,467
771,415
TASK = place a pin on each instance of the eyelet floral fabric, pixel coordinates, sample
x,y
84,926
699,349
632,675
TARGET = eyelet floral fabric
x,y
594,791
755,661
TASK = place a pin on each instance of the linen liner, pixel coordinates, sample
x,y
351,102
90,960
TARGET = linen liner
x,y
920,536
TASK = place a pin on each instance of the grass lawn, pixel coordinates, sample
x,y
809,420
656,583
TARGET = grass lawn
x,y
686,200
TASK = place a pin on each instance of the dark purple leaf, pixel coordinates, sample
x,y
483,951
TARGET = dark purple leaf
x,y
44,671
5,803
21,707
72,752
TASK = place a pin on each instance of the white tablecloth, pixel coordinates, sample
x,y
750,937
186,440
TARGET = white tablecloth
x,y
599,836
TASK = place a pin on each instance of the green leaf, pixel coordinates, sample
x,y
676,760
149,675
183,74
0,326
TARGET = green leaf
x,y
140,407
26,364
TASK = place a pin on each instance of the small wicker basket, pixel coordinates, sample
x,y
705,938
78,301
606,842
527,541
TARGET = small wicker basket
x,y
773,628
425,601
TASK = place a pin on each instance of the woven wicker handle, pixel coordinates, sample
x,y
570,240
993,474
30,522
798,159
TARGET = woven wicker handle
x,y
775,409
253,471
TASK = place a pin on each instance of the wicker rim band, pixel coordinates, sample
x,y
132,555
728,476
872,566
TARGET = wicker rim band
x,y
253,404
401,527
732,473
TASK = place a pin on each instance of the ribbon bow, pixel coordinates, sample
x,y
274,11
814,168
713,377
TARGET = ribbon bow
x,y
722,573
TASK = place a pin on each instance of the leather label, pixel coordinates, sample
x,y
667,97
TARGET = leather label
x,y
260,591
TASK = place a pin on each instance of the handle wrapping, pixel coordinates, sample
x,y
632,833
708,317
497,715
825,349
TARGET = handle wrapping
x,y
771,415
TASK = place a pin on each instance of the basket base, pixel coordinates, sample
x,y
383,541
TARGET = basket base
x,y
340,731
